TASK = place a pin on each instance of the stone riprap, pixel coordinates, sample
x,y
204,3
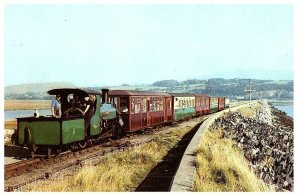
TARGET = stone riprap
x,y
267,143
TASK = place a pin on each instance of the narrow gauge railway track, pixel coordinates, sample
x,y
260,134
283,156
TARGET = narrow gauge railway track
x,y
14,169
22,173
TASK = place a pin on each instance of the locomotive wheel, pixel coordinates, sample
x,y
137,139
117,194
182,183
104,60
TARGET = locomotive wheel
x,y
90,142
82,144
58,151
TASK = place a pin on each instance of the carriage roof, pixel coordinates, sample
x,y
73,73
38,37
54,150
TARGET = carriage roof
x,y
136,93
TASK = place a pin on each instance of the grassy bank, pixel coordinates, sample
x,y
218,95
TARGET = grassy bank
x,y
221,165
122,171
250,112
26,104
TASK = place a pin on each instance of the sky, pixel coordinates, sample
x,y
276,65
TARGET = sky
x,y
97,45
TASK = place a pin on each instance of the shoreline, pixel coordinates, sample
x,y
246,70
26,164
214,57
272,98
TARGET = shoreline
x,y
280,102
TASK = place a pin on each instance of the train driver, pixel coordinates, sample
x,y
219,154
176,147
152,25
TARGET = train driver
x,y
56,107
88,112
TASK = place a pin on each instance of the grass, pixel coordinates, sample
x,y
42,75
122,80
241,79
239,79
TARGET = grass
x,y
221,166
122,171
26,104
250,112
11,124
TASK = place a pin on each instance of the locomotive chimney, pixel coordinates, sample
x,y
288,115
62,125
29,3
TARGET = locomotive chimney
x,y
104,95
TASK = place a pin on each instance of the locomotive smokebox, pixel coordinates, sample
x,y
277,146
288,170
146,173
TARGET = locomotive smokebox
x,y
104,95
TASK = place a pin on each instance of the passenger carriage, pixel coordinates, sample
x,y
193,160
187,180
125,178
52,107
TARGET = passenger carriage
x,y
201,104
183,106
141,109
213,104
221,103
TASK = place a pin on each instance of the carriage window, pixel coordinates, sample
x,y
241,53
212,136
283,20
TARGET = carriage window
x,y
132,105
116,101
124,104
144,102
137,105
161,104
156,104
151,107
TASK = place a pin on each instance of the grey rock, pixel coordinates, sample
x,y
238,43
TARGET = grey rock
x,y
267,143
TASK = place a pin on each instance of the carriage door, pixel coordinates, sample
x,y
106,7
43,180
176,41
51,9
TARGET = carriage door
x,y
167,110
148,112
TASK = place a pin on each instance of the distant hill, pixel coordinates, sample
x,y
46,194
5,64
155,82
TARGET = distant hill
x,y
166,83
36,87
33,91
233,88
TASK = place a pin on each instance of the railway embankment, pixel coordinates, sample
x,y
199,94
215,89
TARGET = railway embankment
x,y
266,141
246,149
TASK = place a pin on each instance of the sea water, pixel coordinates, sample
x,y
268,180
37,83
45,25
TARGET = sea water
x,y
13,114
288,109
